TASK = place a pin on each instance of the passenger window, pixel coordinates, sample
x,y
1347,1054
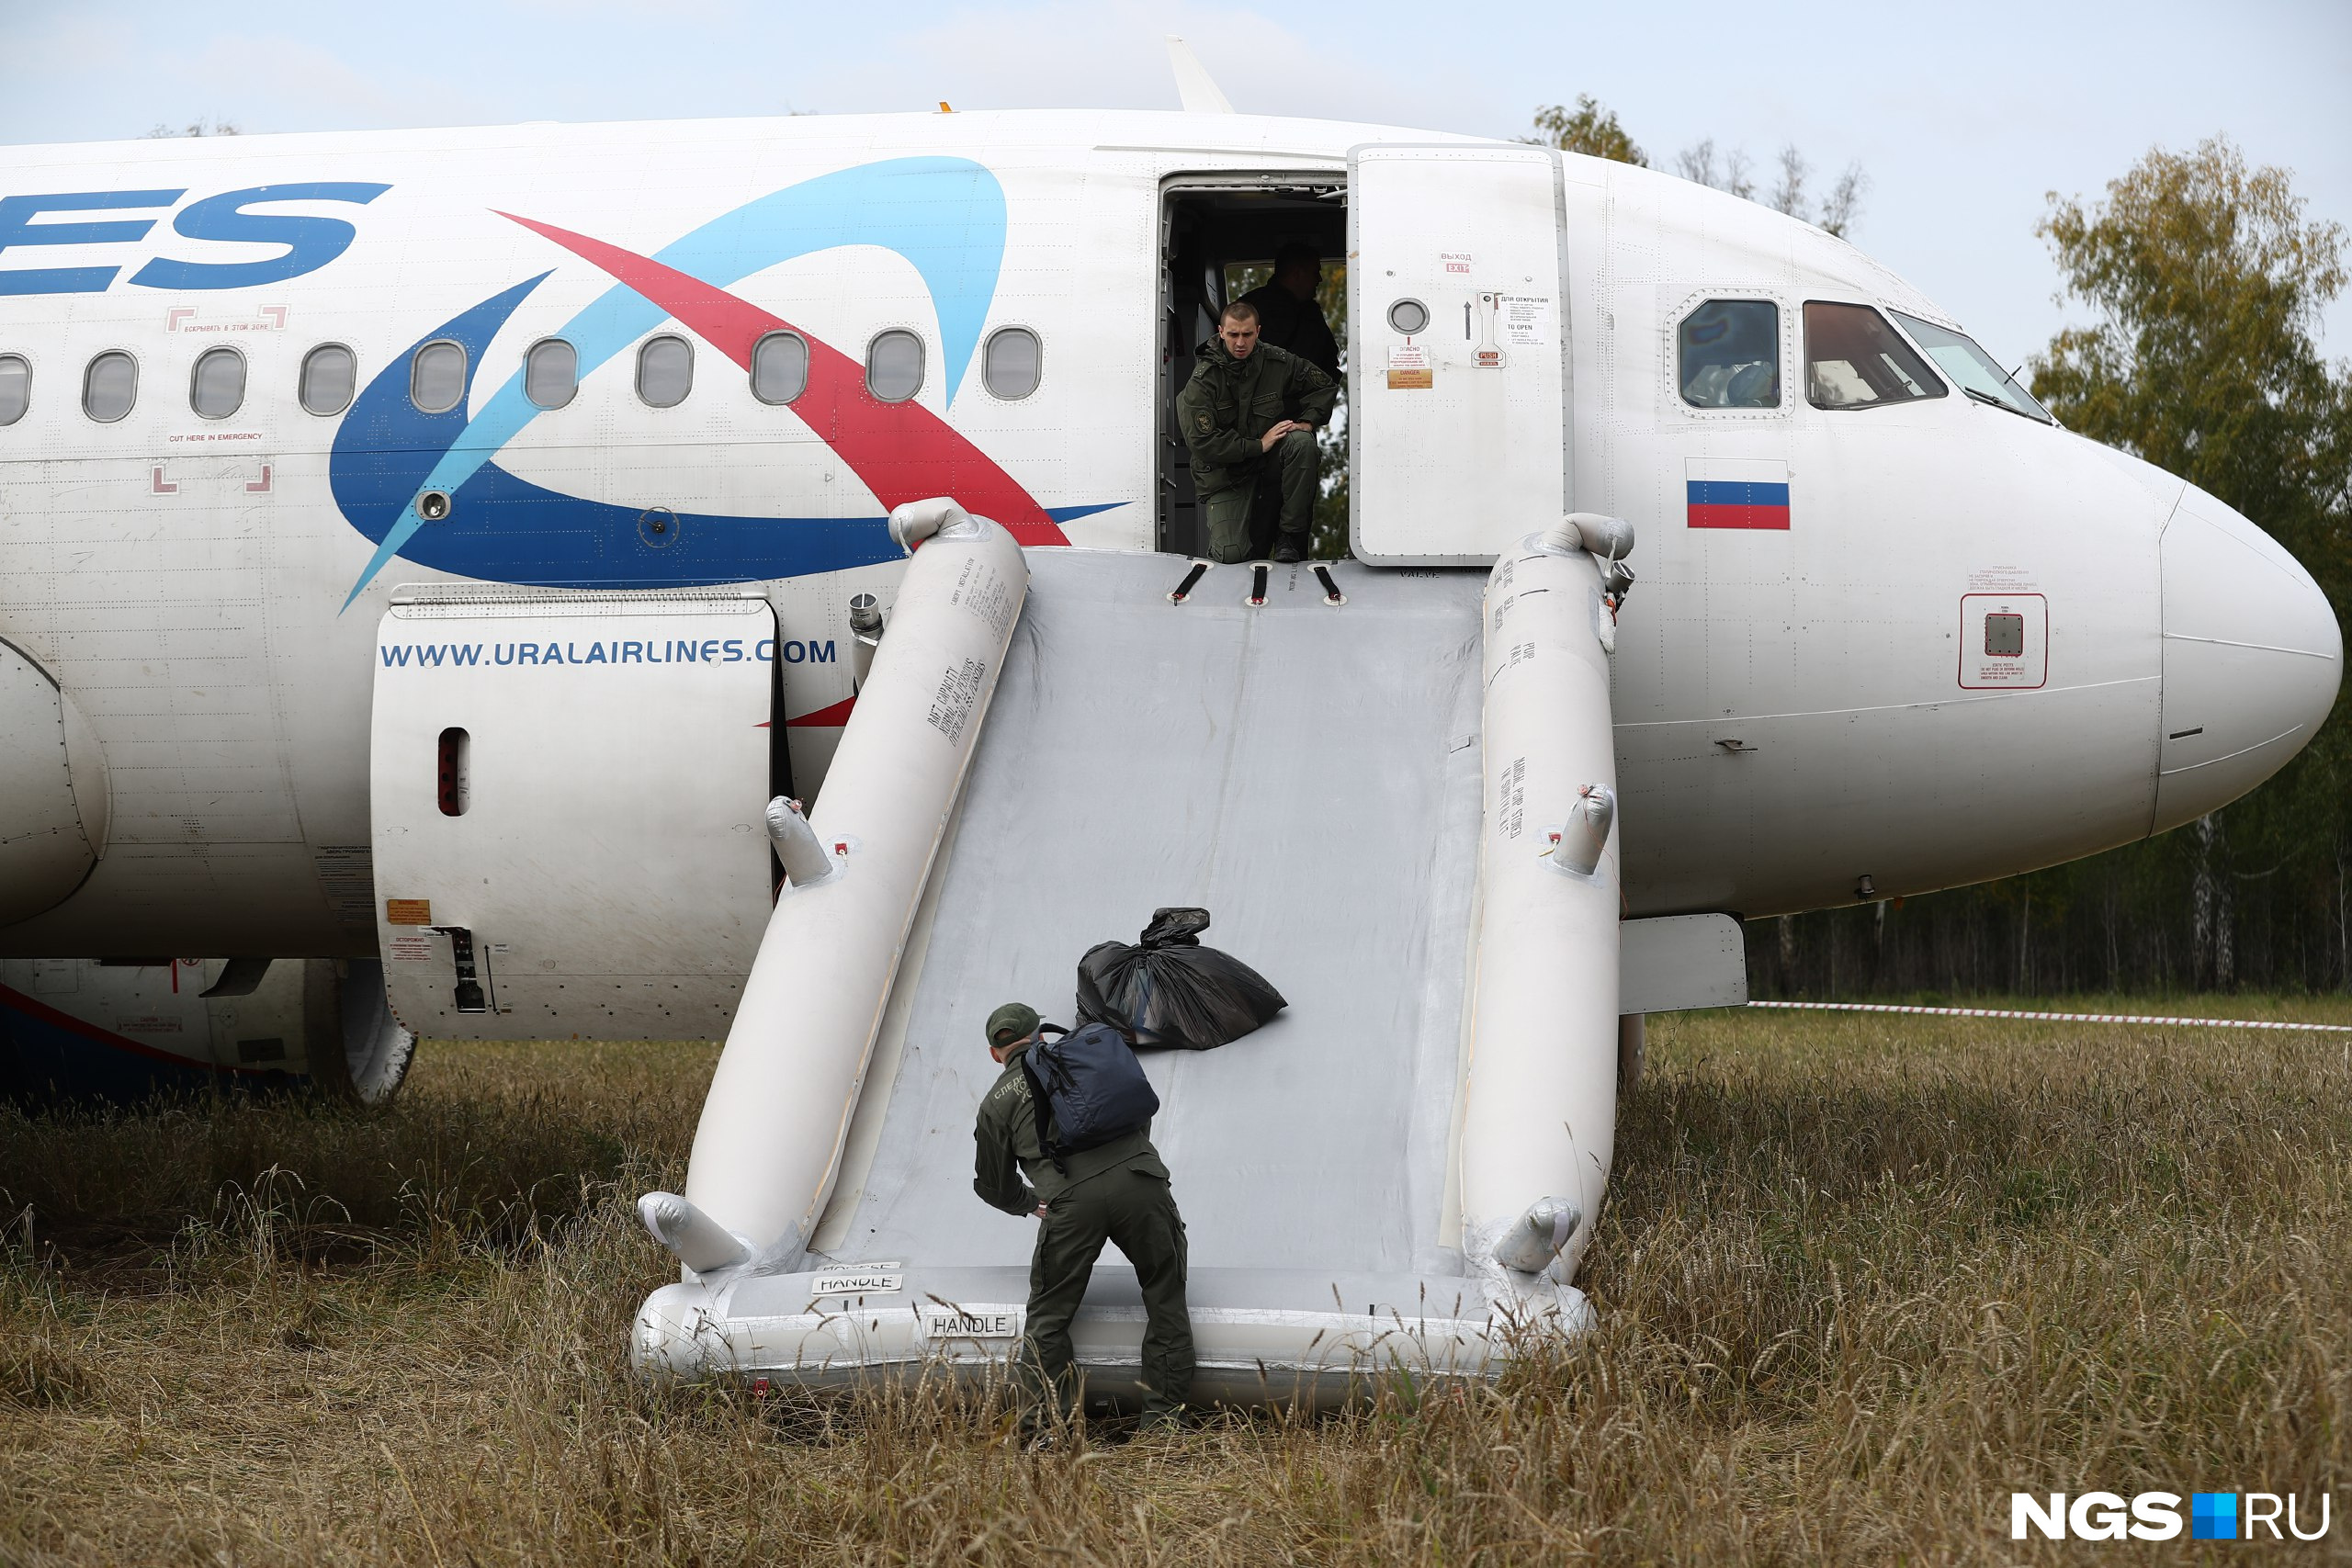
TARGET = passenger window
x,y
894,365
217,390
1731,355
1011,365
110,387
16,387
665,371
551,373
779,368
1854,360
436,377
330,375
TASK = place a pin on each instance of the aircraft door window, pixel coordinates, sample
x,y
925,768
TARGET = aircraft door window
x,y
1013,363
779,368
1408,316
1854,360
16,387
436,377
110,387
1730,354
665,371
551,373
330,376
894,365
217,389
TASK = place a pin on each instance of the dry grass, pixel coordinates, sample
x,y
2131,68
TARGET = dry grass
x,y
1861,1278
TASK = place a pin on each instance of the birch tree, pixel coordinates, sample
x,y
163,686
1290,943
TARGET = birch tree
x,y
2205,281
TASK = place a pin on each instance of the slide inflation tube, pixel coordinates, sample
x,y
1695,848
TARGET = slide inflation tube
x,y
768,1149
1540,1110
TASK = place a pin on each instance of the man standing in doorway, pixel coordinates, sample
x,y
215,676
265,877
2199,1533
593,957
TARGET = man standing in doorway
x,y
1249,459
1288,314
1116,1191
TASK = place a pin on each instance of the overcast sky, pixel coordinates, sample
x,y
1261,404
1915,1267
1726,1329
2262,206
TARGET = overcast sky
x,y
1962,115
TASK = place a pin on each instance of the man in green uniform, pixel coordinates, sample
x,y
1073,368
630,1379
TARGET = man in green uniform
x,y
1248,414
1116,1191
1288,315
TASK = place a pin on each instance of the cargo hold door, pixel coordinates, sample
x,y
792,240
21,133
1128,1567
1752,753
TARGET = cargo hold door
x,y
567,793
1458,368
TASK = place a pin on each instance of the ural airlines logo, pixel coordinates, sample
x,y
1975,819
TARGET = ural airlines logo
x,y
945,216
2156,1516
27,221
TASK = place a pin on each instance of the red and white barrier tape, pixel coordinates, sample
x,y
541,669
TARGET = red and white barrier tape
x,y
2060,1017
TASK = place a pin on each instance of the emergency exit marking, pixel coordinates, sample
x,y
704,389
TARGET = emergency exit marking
x,y
408,911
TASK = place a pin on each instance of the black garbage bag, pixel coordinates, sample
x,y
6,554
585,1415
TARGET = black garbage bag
x,y
1168,990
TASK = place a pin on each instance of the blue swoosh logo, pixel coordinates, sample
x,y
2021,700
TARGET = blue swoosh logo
x,y
945,216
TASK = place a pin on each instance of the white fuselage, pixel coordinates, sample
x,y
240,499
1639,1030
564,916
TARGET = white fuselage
x,y
1805,714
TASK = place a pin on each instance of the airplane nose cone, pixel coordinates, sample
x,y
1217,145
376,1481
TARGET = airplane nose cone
x,y
2252,657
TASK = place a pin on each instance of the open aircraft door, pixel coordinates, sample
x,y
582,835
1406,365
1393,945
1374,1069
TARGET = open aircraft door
x,y
567,794
1458,353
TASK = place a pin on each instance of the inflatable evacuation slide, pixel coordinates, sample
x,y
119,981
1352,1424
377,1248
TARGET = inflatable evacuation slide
x,y
1396,792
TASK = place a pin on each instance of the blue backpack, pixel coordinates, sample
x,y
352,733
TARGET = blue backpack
x,y
1094,1085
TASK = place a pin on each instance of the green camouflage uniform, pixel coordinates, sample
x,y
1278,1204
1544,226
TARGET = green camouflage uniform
x,y
1223,410
1118,1192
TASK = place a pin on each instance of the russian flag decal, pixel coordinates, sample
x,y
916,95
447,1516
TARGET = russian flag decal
x,y
1737,492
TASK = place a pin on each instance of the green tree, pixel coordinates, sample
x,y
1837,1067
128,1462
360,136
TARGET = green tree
x,y
1588,128
1594,131
1331,533
2206,282
1730,171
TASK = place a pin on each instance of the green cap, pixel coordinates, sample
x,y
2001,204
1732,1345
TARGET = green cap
x,y
1013,1020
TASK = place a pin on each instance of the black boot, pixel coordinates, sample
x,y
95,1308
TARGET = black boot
x,y
1289,548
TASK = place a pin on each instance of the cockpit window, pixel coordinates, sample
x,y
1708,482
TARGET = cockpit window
x,y
1979,374
1731,355
1854,360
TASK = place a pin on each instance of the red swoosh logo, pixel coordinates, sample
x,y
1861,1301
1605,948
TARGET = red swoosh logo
x,y
901,452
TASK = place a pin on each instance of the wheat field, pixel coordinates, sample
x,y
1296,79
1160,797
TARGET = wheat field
x,y
1861,1277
